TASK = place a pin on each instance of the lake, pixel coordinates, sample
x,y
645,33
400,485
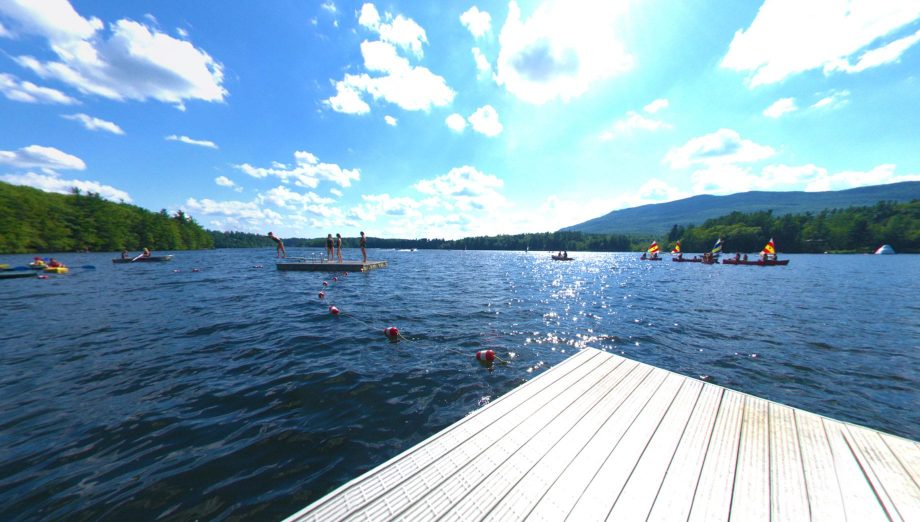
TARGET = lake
x,y
152,390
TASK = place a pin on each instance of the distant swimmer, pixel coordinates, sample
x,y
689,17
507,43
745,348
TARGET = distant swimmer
x,y
279,246
329,244
363,243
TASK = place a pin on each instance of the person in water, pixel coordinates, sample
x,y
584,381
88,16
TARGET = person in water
x,y
146,252
124,254
329,244
279,245
363,243
338,246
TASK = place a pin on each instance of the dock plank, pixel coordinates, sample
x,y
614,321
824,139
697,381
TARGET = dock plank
x,y
600,436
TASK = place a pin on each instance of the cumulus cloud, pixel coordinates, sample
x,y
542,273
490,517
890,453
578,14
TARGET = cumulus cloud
x,y
477,22
780,107
311,202
633,121
307,171
391,121
465,189
400,31
456,122
728,179
224,181
562,49
48,159
28,92
725,146
485,121
94,124
789,37
198,143
124,60
248,211
52,182
375,206
482,63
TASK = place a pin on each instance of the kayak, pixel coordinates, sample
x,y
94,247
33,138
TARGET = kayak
x,y
37,266
56,269
4,267
650,258
16,274
149,259
687,260
756,262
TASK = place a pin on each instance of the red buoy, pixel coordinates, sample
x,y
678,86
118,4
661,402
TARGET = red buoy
x,y
345,274
335,278
391,332
322,295
325,283
333,310
485,355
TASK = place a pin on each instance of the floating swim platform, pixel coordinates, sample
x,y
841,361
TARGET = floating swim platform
x,y
17,274
303,265
600,437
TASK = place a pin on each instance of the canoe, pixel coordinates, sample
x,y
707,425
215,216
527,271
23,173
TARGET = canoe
x,y
560,258
756,262
56,269
150,259
16,274
686,260
650,259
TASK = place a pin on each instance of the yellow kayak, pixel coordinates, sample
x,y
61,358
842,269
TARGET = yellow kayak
x,y
4,266
56,269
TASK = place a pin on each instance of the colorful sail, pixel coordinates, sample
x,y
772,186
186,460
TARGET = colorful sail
x,y
653,248
717,248
676,248
770,248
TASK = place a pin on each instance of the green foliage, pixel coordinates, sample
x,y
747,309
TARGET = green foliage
x,y
36,221
854,229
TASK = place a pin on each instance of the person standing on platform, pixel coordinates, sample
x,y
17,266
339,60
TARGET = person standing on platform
x,y
329,247
338,246
363,243
279,246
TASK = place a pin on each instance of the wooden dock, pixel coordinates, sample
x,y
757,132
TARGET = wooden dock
x,y
603,437
304,265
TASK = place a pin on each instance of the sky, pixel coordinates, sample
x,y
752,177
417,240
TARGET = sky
x,y
410,119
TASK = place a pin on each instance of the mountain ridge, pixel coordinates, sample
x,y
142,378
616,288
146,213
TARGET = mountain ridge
x,y
656,218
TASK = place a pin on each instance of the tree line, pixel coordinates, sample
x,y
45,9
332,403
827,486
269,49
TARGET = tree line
x,y
35,221
854,229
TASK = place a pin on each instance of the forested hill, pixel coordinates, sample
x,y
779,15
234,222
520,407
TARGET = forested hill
x,y
36,221
659,218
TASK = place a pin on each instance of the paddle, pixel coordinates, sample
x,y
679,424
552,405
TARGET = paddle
x,y
138,257
89,267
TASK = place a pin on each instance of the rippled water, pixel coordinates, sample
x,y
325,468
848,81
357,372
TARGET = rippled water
x,y
139,391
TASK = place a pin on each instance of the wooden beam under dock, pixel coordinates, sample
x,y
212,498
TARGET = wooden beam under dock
x,y
302,265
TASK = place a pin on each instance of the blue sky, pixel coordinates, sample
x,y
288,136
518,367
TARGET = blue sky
x,y
451,119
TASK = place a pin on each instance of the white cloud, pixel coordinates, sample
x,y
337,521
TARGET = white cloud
x,y
485,121
562,49
379,205
780,107
833,100
336,192
249,211
656,106
329,6
182,33
28,92
729,179
224,181
94,124
185,139
412,88
306,172
477,22
725,146
875,57
482,63
465,189
391,121
633,122
311,202
49,159
129,60
400,31
4,32
788,37
456,122
51,182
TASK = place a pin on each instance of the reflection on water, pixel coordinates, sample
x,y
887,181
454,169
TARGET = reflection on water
x,y
153,390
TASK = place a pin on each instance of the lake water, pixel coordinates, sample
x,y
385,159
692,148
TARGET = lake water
x,y
150,390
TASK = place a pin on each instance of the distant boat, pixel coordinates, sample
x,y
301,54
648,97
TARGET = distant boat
x,y
767,258
651,254
885,249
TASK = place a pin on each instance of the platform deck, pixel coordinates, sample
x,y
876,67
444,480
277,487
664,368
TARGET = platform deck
x,y
603,437
303,265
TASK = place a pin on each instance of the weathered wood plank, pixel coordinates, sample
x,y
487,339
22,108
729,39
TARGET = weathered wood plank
x,y
901,496
907,453
559,500
824,498
859,500
713,498
598,498
638,495
675,495
520,402
751,494
789,496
